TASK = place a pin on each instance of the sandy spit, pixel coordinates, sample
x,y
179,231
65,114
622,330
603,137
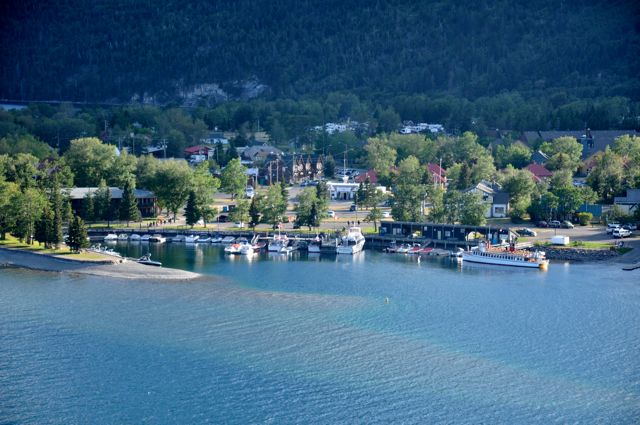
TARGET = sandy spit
x,y
108,267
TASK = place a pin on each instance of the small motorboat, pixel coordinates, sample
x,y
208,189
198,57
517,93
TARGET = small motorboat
x,y
134,237
228,239
145,238
123,237
216,239
191,239
403,249
204,240
111,237
157,238
146,259
177,238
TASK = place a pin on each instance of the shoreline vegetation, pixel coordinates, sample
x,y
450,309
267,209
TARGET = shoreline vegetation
x,y
97,265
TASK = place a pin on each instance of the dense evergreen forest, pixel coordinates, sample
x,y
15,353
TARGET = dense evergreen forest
x,y
115,50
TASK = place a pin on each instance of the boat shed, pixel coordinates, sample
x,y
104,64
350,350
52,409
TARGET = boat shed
x,y
458,234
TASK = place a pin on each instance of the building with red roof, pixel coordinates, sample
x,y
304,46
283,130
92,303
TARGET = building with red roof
x,y
438,175
371,174
539,172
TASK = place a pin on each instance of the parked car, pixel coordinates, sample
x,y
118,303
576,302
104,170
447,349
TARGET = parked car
x,y
543,224
353,207
630,226
526,232
239,225
621,233
612,226
331,214
249,192
223,218
567,225
386,214
555,224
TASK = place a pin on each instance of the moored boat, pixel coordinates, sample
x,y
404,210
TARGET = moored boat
x,y
191,239
146,259
157,238
228,239
177,239
111,237
145,238
134,237
123,237
204,240
352,242
277,243
484,254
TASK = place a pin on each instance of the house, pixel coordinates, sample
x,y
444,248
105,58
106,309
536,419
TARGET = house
x,y
539,171
496,200
539,157
437,173
309,168
199,153
630,202
369,174
147,200
592,141
260,153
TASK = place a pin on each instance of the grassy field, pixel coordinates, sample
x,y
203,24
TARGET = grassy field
x,y
62,252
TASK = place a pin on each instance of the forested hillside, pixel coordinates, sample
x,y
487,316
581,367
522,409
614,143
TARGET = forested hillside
x,y
113,50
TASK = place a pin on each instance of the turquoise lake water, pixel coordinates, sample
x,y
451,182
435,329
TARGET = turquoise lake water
x,y
309,339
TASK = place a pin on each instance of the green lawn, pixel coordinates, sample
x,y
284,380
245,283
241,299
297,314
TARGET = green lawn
x,y
63,252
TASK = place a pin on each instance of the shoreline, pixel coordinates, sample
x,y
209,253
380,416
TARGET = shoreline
x,y
107,267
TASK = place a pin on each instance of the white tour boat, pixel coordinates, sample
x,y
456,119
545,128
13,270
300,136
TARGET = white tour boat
x,y
352,243
484,254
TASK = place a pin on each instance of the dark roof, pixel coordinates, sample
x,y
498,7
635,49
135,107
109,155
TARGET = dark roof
x,y
539,170
116,193
501,198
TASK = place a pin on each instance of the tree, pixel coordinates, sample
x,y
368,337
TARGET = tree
x,y
519,184
191,213
90,160
607,175
409,192
473,209
241,213
172,184
44,228
380,156
435,197
26,207
9,192
204,186
307,213
516,154
57,206
103,207
564,152
329,165
274,206
128,204
254,213
88,207
123,169
234,178
77,235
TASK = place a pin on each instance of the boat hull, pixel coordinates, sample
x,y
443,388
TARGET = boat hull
x,y
497,261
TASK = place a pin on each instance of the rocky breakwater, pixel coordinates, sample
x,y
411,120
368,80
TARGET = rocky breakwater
x,y
579,254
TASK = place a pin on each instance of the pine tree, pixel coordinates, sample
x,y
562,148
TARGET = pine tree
x,y
284,191
88,207
191,211
77,235
128,204
102,202
44,226
254,213
56,236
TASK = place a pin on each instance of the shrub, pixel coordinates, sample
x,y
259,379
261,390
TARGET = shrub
x,y
585,218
